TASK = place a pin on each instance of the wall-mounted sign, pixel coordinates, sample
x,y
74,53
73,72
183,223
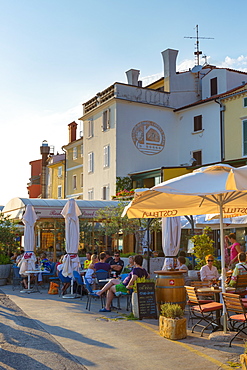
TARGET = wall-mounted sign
x,y
148,137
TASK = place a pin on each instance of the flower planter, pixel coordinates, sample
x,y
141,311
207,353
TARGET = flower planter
x,y
4,273
243,360
135,305
173,329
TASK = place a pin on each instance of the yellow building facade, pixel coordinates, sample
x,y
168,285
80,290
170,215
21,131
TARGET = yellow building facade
x,y
56,177
235,124
74,169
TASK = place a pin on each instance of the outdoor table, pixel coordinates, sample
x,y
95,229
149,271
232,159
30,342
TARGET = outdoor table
x,y
82,271
29,273
104,280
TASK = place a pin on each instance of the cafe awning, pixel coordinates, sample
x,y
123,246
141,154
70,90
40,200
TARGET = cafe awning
x,y
51,208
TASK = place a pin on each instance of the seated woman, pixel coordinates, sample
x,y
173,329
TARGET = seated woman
x,y
182,266
208,271
240,269
91,270
115,285
130,265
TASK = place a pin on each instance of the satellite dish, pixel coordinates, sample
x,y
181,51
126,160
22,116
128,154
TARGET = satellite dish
x,y
196,69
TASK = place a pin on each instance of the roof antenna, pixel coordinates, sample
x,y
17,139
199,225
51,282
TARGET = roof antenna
x,y
197,53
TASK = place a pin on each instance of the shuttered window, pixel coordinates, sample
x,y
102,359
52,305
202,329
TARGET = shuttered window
x,y
213,86
106,156
90,162
245,137
198,123
198,157
245,102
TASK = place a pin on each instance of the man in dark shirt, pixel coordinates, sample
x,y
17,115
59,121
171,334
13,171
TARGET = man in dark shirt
x,y
102,265
117,264
109,258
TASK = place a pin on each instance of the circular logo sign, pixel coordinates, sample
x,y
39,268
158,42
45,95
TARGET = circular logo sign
x,y
148,137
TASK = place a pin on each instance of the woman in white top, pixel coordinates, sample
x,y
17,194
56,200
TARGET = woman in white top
x,y
90,271
208,271
182,266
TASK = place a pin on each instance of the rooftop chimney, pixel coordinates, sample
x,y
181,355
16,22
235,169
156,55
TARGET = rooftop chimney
x,y
72,131
44,151
169,58
132,76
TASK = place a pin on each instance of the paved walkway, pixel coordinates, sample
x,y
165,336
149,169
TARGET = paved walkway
x,y
109,341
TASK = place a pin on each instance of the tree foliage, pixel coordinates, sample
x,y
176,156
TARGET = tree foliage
x,y
9,233
123,183
203,245
113,223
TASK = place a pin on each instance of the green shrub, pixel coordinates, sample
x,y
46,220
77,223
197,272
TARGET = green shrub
x,y
171,311
4,260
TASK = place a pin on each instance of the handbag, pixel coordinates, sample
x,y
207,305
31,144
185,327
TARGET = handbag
x,y
53,289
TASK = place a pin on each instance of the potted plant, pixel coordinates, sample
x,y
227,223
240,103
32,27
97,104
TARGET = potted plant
x,y
243,358
5,268
172,323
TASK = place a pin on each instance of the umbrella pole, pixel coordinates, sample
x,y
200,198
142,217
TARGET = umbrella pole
x,y
223,271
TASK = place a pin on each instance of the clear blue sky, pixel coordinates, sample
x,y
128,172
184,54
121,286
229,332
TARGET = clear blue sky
x,y
57,54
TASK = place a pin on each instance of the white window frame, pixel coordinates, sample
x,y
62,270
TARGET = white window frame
x,y
59,171
90,162
74,182
244,126
90,128
75,153
59,192
106,120
105,192
90,194
106,156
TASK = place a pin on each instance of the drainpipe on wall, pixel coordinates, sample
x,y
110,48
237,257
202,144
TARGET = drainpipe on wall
x,y
65,174
222,131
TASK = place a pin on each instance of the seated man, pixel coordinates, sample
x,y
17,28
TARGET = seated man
x,y
117,286
117,264
240,269
102,265
87,262
109,257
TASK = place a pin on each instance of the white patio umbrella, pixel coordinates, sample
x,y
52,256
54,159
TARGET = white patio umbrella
x,y
200,192
171,235
71,261
28,260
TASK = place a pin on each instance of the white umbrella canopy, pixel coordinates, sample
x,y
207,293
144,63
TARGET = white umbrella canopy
x,y
200,192
171,235
28,260
237,179
71,213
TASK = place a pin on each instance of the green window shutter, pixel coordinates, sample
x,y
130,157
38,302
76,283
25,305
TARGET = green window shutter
x,y
245,137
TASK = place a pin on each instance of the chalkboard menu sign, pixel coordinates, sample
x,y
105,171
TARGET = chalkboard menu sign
x,y
146,300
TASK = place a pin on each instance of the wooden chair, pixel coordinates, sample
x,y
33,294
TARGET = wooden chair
x,y
241,285
202,311
202,284
236,314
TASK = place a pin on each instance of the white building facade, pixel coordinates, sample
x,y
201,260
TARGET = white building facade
x,y
130,129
